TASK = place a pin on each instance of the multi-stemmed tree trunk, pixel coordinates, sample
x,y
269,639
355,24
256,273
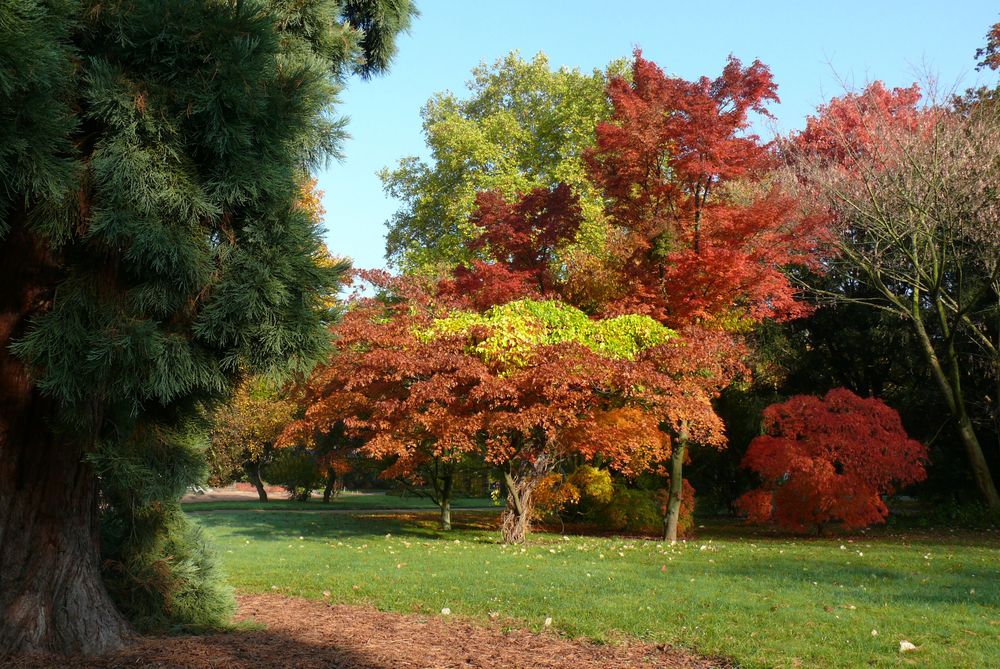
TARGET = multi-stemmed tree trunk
x,y
515,521
520,479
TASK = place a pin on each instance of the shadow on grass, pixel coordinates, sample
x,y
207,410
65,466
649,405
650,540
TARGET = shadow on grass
x,y
900,585
340,504
735,530
272,525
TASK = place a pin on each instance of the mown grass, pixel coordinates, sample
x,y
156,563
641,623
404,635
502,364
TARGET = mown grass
x,y
345,501
764,601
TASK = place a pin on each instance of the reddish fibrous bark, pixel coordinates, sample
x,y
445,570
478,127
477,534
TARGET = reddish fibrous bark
x,y
51,592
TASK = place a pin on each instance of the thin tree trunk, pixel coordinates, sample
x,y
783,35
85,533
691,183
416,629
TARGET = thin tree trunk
x,y
331,482
676,486
253,473
444,500
951,389
52,597
446,515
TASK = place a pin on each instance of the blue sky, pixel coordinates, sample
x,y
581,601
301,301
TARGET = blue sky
x,y
811,47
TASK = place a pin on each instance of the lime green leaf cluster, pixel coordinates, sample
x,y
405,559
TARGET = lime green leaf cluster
x,y
514,330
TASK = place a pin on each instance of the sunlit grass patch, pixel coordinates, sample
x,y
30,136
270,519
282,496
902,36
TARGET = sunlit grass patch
x,y
766,601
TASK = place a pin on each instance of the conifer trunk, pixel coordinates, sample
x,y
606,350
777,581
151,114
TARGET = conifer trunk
x,y
52,597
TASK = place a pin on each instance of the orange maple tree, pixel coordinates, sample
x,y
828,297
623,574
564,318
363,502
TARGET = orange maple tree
x,y
830,460
423,386
400,398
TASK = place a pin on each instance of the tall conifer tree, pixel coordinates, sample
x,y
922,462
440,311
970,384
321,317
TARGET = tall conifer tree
x,y
151,253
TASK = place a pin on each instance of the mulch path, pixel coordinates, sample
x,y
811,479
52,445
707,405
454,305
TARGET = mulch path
x,y
302,634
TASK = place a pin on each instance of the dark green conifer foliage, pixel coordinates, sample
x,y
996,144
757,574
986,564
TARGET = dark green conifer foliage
x,y
151,254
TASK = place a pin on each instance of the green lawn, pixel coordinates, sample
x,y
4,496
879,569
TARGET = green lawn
x,y
764,601
345,501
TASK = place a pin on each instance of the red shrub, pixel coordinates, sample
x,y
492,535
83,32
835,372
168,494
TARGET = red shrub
x,y
830,459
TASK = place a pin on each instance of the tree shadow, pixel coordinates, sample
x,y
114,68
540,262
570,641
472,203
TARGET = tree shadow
x,y
275,524
233,650
941,588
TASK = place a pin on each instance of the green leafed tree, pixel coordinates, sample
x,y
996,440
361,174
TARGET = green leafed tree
x,y
522,126
152,252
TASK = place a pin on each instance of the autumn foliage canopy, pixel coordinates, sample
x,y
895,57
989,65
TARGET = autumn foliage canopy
x,y
704,236
828,460
547,345
522,385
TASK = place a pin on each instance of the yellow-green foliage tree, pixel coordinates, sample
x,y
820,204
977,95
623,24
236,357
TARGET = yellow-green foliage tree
x,y
244,432
523,126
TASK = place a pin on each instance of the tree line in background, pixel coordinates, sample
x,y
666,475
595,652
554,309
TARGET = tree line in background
x,y
605,279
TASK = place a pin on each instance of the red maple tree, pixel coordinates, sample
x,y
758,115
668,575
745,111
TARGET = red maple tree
x,y
863,130
830,459
519,240
701,234
706,235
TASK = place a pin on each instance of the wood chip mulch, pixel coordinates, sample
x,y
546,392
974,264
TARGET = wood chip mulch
x,y
302,634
